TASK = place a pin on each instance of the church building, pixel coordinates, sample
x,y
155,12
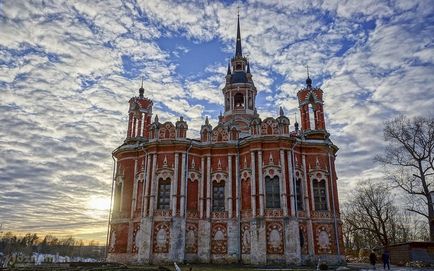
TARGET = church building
x,y
249,190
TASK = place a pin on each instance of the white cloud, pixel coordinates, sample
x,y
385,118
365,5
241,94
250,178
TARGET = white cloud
x,y
65,86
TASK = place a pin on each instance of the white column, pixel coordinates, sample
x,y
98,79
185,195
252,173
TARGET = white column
x,y
202,179
229,187
283,197
237,186
174,186
291,185
307,205
147,183
253,184
305,191
134,195
208,187
153,186
261,185
183,186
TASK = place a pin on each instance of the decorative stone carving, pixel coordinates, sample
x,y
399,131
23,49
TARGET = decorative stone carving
x,y
323,238
321,214
219,214
219,134
162,213
191,238
219,236
192,214
167,131
269,127
219,176
245,238
246,175
273,212
137,237
161,237
271,171
275,238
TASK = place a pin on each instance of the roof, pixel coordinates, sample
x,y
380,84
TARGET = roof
x,y
239,77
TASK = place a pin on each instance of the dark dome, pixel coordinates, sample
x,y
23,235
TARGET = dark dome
x,y
239,77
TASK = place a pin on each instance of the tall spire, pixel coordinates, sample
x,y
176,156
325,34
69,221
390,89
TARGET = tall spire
x,y
141,90
308,80
238,51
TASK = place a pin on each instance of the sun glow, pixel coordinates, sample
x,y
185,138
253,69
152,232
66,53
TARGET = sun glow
x,y
98,203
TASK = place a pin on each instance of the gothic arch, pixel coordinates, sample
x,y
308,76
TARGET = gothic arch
x,y
269,127
167,131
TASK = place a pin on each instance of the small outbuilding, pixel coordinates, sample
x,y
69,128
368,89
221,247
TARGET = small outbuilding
x,y
411,252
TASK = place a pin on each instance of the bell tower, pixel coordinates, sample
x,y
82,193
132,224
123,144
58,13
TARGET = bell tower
x,y
139,116
311,105
239,91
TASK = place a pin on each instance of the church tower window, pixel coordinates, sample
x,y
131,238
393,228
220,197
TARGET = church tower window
x,y
218,197
272,192
239,100
311,117
163,194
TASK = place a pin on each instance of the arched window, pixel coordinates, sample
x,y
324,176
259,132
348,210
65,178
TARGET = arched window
x,y
163,202
320,194
299,194
311,117
239,100
218,196
272,192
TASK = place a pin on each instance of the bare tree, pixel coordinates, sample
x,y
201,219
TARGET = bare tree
x,y
371,212
409,162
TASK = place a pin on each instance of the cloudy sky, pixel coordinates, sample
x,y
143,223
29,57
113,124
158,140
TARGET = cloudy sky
x,y
68,69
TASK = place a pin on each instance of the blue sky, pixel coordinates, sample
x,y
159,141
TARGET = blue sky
x,y
68,69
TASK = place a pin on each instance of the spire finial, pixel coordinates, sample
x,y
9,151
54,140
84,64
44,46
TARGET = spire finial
x,y
238,51
229,69
248,67
308,80
141,90
295,122
281,112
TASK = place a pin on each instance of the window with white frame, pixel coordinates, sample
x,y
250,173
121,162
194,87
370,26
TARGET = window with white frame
x,y
218,197
272,192
320,194
163,202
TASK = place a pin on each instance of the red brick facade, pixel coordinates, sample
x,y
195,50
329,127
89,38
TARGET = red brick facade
x,y
248,189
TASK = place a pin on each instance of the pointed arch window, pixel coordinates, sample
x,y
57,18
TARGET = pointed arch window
x,y
239,100
218,196
311,117
163,202
320,194
272,192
